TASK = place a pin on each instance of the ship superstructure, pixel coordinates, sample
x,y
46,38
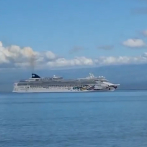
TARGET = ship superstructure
x,y
58,84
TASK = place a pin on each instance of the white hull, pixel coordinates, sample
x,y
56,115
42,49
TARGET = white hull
x,y
54,90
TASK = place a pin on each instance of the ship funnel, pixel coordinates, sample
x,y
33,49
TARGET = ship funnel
x,y
35,76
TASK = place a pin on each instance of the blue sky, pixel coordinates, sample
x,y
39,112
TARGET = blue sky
x,y
87,25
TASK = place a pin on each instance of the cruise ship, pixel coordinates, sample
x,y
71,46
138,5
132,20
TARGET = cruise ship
x,y
58,84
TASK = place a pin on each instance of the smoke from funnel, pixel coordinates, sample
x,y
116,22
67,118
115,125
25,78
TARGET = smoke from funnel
x,y
32,63
32,60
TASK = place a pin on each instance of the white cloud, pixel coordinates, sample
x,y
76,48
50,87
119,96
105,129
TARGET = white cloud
x,y
145,33
50,55
78,61
121,60
17,57
134,43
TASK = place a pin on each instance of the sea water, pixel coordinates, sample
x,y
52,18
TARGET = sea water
x,y
104,119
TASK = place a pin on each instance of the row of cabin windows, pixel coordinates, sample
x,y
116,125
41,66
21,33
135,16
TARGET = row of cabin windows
x,y
57,86
50,84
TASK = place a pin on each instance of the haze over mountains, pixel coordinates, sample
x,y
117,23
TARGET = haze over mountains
x,y
129,76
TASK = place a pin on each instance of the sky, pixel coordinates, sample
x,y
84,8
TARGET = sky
x,y
72,33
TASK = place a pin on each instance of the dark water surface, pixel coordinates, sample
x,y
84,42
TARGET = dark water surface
x,y
105,119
